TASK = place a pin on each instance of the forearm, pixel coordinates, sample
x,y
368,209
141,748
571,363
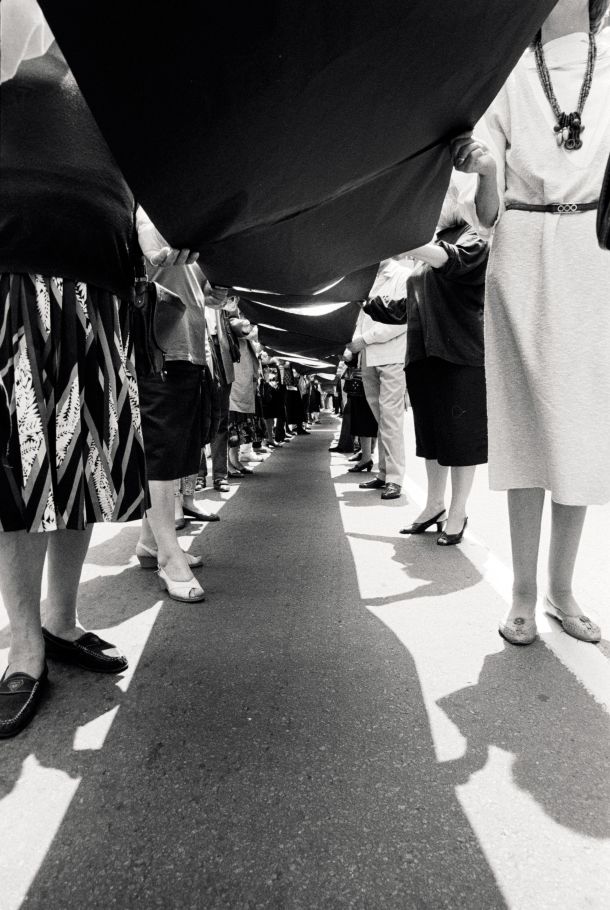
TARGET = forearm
x,y
487,200
431,253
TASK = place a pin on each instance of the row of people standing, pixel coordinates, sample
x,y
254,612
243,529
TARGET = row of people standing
x,y
537,182
72,446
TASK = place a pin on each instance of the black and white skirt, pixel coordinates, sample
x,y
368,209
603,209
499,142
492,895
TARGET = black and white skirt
x,y
70,440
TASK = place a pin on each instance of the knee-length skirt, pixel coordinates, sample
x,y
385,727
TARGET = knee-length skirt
x,y
71,448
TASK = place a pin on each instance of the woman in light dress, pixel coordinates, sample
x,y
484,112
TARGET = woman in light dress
x,y
547,335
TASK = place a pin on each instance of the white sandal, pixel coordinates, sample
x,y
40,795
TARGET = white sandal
x,y
189,591
148,558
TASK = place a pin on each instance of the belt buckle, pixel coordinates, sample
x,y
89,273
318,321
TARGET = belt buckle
x,y
567,208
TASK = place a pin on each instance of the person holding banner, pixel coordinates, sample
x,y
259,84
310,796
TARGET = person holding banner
x,y
539,158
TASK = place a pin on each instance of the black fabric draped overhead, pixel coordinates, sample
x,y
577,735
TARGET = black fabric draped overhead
x,y
286,343
290,142
337,326
351,287
293,333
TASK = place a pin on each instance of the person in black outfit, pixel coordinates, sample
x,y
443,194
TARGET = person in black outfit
x,y
445,366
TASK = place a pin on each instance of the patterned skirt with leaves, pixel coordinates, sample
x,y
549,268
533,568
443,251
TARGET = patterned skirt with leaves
x,y
71,448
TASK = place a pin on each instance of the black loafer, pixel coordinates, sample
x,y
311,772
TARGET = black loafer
x,y
392,491
376,484
222,486
86,652
200,516
20,697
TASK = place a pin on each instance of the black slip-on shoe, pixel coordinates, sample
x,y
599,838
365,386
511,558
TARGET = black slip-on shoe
x,y
376,484
20,697
392,491
86,652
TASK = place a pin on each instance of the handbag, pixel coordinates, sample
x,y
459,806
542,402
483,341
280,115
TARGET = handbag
x,y
603,212
155,313
353,385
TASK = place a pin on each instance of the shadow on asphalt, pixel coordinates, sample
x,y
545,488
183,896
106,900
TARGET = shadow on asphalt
x,y
273,749
515,707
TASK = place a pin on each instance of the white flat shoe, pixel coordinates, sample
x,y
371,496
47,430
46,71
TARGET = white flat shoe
x,y
519,631
189,591
580,627
148,558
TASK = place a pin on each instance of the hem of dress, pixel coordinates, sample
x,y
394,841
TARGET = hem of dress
x,y
575,500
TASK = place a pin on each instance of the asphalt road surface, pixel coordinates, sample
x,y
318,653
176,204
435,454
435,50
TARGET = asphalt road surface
x,y
338,726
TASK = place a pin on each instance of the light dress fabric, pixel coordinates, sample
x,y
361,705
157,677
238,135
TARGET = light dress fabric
x,y
547,323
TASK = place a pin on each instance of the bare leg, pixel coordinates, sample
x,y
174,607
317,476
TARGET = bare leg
x,y
461,484
366,451
437,484
158,529
22,558
65,557
525,515
566,531
178,513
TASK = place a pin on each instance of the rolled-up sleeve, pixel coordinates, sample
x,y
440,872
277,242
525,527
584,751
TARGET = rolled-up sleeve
x,y
379,333
494,130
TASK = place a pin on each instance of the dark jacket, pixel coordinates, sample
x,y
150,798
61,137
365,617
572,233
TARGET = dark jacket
x,y
443,307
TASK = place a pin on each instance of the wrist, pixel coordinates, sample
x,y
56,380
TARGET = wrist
x,y
488,170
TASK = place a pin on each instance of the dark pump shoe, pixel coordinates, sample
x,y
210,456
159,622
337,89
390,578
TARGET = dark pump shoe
x,y
86,652
392,491
376,484
418,527
20,696
449,540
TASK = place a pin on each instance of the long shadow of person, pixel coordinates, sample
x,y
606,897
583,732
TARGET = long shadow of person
x,y
417,568
273,749
529,705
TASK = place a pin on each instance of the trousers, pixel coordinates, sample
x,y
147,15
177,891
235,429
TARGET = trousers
x,y
220,443
385,388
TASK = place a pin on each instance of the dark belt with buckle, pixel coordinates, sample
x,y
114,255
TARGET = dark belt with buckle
x,y
556,208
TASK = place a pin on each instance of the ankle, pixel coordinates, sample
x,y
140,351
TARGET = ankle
x,y
524,600
63,629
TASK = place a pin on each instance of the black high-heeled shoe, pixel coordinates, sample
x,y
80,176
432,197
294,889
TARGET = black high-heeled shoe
x,y
365,466
418,527
449,540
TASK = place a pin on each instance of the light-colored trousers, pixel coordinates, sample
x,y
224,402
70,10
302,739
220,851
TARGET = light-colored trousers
x,y
385,389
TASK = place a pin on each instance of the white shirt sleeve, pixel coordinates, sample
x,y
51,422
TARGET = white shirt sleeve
x,y
378,333
24,34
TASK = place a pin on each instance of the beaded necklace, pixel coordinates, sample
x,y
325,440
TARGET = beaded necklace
x,y
569,126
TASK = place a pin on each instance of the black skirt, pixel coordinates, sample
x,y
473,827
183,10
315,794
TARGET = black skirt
x,y
362,419
272,400
449,411
294,406
171,411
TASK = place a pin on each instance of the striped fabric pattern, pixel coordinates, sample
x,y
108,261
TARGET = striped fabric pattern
x,y
71,448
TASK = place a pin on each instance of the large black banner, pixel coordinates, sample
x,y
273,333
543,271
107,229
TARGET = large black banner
x,y
290,141
293,333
